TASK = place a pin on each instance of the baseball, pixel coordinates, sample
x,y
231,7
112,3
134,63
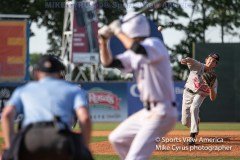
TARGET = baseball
x,y
160,28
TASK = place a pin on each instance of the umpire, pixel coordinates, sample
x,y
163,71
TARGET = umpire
x,y
49,106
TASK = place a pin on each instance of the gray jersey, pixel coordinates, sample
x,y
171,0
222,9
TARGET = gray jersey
x,y
153,73
195,81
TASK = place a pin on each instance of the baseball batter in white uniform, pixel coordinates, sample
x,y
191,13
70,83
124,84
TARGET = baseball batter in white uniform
x,y
196,90
148,59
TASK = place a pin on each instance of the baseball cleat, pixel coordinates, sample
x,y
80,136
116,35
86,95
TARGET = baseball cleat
x,y
192,140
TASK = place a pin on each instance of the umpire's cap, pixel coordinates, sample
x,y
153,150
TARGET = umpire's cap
x,y
215,56
50,64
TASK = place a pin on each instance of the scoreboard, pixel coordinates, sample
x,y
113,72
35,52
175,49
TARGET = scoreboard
x,y
14,58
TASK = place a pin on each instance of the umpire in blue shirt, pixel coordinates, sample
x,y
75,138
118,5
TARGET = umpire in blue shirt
x,y
49,106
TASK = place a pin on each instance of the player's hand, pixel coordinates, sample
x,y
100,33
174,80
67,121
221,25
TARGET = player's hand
x,y
105,32
115,27
102,41
184,61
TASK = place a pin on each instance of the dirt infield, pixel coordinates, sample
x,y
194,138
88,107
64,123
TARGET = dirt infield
x,y
209,143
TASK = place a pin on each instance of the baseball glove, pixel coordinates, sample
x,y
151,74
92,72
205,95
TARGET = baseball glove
x,y
209,78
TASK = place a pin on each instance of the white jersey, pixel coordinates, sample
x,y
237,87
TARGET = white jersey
x,y
195,81
153,72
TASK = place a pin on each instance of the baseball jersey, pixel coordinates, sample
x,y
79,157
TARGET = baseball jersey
x,y
195,81
153,72
40,101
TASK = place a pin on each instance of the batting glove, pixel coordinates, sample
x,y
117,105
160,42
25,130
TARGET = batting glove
x,y
105,32
115,27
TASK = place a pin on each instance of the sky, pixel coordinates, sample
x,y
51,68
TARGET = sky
x,y
38,43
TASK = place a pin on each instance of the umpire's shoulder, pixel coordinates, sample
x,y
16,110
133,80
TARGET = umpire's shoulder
x,y
75,87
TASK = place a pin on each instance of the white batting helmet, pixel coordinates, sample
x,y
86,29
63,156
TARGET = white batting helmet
x,y
137,26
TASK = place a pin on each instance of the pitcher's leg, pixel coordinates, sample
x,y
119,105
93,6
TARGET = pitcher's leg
x,y
197,101
186,104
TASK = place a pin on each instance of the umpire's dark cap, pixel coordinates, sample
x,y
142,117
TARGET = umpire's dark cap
x,y
50,64
215,56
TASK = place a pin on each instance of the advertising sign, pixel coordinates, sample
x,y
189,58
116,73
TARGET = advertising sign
x,y
107,101
85,31
13,51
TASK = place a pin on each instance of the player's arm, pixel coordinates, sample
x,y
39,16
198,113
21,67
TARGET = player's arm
x,y
193,64
188,61
213,94
213,91
8,124
85,123
105,56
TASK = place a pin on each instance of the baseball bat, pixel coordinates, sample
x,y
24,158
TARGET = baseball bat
x,y
155,4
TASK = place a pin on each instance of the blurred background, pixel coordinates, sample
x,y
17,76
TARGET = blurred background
x,y
68,29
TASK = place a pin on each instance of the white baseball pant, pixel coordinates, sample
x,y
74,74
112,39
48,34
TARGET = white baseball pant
x,y
134,138
190,110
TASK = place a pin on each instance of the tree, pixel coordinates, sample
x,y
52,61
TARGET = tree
x,y
50,14
225,13
168,16
110,10
34,57
207,13
41,13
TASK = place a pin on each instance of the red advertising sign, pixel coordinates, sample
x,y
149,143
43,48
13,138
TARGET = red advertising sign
x,y
84,39
104,98
13,48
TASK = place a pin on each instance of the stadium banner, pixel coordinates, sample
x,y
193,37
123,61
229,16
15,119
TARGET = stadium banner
x,y
107,101
85,32
14,50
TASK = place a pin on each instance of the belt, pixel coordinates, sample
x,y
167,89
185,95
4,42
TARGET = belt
x,y
42,124
147,105
190,91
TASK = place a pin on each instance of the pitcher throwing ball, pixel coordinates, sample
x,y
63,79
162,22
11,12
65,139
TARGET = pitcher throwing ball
x,y
202,82
148,59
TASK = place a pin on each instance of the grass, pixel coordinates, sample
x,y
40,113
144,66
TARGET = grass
x,y
105,126
99,139
203,126
113,157
1,142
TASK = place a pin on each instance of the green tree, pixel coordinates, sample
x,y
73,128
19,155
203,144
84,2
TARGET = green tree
x,y
34,57
50,14
207,13
41,13
168,16
110,10
225,13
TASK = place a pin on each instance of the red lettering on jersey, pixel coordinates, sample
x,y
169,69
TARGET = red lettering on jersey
x,y
199,86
